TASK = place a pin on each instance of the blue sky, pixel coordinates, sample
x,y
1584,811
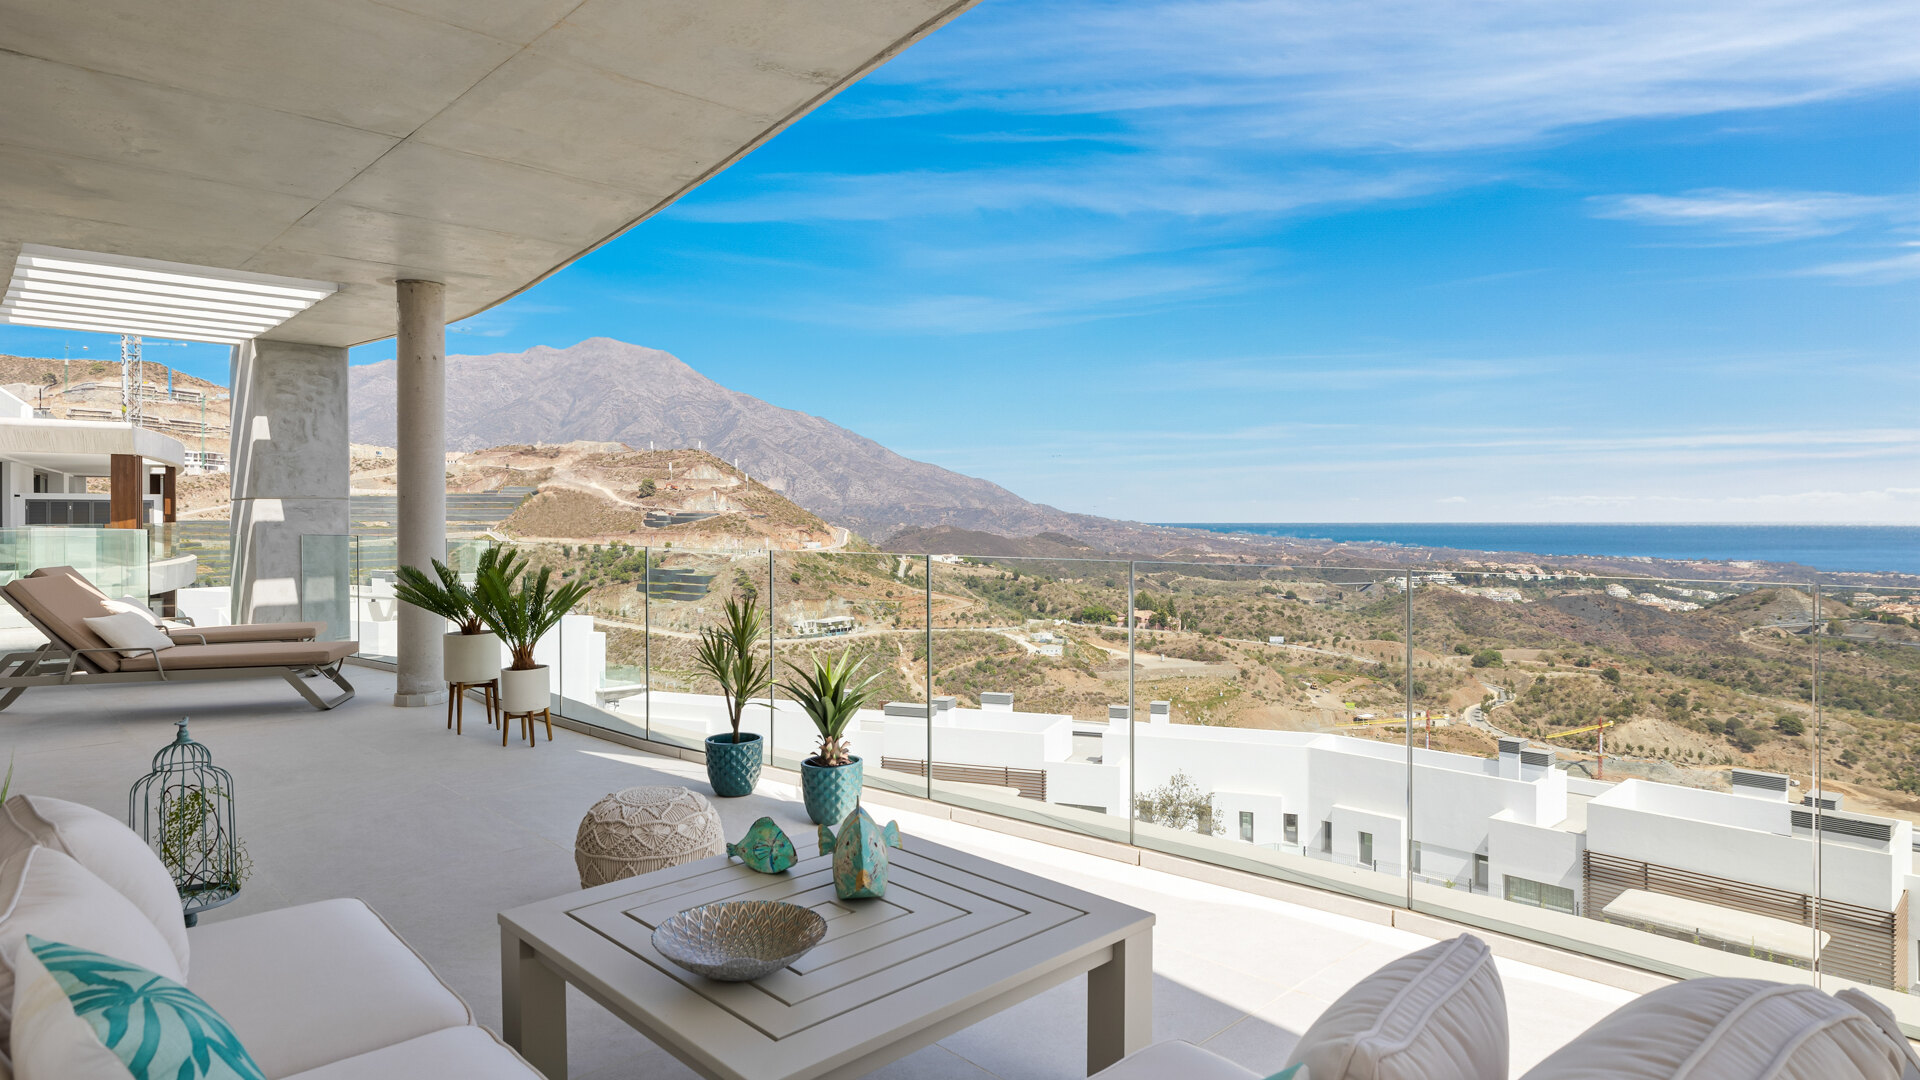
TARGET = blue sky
x,y
1257,261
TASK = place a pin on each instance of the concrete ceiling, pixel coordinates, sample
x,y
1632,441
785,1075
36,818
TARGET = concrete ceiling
x,y
481,143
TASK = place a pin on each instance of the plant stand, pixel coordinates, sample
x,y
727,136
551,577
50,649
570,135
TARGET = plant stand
x,y
526,724
457,702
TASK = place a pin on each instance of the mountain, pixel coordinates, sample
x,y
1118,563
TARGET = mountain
x,y
609,391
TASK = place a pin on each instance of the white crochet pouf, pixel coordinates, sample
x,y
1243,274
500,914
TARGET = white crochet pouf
x,y
643,829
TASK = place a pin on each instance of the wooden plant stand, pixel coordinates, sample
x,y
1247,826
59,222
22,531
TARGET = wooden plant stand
x,y
527,720
457,702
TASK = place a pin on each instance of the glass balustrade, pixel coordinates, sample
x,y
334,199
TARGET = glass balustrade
x,y
1693,776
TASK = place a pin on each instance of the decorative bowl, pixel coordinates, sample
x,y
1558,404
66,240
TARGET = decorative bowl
x,y
739,940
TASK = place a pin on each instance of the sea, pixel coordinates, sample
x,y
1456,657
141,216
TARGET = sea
x,y
1894,548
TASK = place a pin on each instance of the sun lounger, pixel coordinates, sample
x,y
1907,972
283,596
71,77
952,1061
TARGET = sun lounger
x,y
189,634
58,606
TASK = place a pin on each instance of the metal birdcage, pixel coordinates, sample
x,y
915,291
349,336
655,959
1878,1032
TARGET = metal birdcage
x,y
184,811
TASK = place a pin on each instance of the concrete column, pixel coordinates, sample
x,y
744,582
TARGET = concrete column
x,y
420,355
290,464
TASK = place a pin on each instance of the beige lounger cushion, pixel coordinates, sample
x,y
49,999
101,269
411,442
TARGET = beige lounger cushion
x,y
1436,1014
62,605
245,654
268,631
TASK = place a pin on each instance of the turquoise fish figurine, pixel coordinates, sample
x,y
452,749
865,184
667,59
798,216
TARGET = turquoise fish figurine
x,y
765,848
860,854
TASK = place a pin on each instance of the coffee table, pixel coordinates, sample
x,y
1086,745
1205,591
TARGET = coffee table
x,y
956,939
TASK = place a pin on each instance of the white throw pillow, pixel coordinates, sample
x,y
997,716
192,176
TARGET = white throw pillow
x,y
45,892
110,851
1437,1014
128,632
1706,1029
129,604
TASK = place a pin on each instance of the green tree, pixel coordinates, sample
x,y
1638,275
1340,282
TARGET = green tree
x,y
1180,804
1488,658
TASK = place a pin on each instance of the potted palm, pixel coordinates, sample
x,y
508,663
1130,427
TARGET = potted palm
x,y
830,780
471,653
728,655
521,607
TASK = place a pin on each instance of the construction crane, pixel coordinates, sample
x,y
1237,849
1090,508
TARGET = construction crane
x,y
133,377
1599,743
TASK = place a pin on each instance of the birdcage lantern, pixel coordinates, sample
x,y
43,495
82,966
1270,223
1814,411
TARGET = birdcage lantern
x,y
184,811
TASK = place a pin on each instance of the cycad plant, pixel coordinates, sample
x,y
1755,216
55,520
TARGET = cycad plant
x,y
520,607
729,653
445,595
831,698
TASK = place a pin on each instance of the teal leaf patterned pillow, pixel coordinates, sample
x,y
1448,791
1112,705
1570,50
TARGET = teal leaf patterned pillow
x,y
1292,1072
157,1028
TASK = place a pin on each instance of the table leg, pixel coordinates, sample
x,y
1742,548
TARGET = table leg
x,y
1120,1002
533,1007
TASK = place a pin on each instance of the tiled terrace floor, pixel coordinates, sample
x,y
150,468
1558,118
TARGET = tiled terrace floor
x,y
439,833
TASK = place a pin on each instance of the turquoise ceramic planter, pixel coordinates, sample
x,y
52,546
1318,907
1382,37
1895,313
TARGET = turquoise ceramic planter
x,y
830,793
733,767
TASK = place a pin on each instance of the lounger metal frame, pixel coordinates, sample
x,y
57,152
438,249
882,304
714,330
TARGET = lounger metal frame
x,y
21,671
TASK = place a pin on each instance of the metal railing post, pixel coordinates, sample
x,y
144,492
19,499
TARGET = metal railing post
x,y
1132,761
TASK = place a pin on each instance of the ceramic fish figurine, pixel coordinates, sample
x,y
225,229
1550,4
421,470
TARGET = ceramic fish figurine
x,y
860,854
765,848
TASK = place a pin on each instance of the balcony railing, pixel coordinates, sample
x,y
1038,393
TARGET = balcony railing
x,y
1520,725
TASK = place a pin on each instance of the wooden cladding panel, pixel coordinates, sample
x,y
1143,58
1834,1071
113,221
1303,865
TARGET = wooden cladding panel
x,y
1030,783
1865,944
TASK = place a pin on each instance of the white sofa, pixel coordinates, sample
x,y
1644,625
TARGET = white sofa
x,y
322,991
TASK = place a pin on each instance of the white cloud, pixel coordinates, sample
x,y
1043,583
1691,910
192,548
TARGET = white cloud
x,y
1419,74
1872,271
1755,215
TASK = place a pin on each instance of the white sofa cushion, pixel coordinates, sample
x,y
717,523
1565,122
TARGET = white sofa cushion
x,y
83,1015
111,852
308,985
1437,1014
1705,1029
466,1053
1178,1061
45,892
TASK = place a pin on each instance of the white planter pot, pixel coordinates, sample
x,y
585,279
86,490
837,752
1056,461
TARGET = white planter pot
x,y
470,658
525,691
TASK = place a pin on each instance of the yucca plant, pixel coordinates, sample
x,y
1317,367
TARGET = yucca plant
x,y
444,594
831,699
520,607
729,653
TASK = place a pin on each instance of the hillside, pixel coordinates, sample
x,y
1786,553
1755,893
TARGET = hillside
x,y
606,390
190,409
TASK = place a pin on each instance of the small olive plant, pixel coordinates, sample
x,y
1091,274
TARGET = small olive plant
x,y
730,655
443,593
831,699
520,607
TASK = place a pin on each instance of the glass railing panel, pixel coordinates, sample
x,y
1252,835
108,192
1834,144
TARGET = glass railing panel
x,y
1028,693
871,608
1864,635
326,584
651,607
1651,741
1271,734
115,560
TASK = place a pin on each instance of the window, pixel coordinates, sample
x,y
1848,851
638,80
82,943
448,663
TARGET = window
x,y
1291,823
1480,872
1326,837
41,483
1539,894
1416,856
1246,826
1366,849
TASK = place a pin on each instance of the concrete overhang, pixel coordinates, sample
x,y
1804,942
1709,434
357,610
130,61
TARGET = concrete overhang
x,y
482,144
83,447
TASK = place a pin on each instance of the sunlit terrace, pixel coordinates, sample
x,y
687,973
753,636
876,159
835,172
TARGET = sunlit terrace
x,y
439,833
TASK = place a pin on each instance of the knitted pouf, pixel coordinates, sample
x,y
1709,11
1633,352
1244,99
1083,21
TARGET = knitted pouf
x,y
643,829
